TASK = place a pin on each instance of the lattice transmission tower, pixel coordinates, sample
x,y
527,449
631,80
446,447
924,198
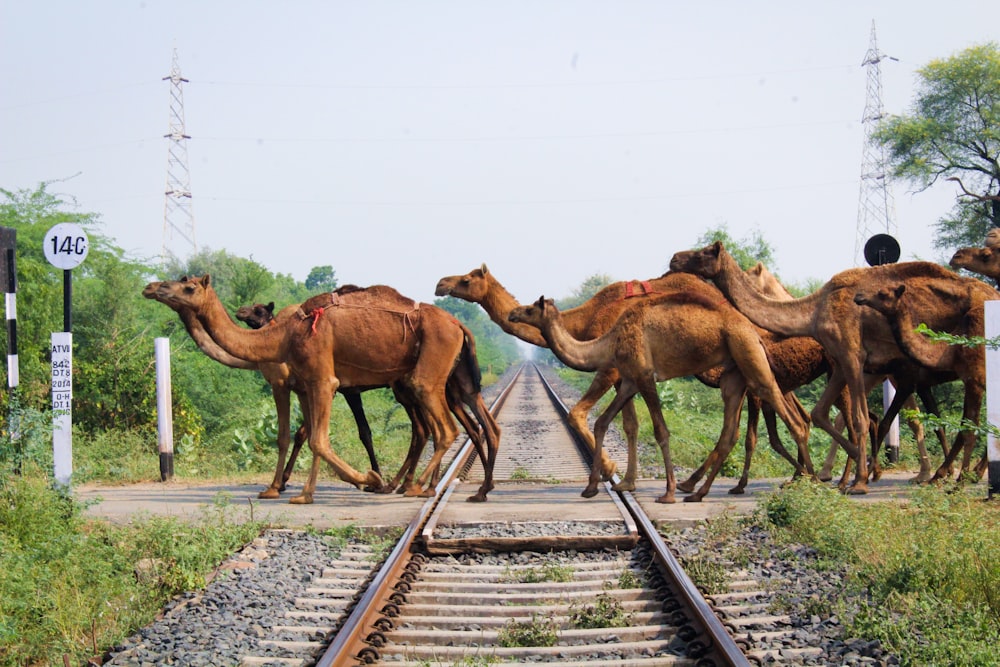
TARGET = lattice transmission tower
x,y
178,218
876,210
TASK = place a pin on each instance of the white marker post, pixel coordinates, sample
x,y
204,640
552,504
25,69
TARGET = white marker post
x,y
991,311
164,409
65,246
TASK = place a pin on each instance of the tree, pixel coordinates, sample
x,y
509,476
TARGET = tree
x,y
953,133
588,288
322,279
747,251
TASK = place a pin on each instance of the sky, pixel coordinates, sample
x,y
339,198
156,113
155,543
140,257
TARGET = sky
x,y
400,142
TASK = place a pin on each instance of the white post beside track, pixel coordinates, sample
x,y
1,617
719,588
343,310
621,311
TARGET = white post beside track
x,y
992,330
164,409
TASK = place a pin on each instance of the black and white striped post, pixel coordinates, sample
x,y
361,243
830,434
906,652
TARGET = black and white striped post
x,y
8,274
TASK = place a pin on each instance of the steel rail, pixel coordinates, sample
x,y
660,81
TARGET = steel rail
x,y
723,642
357,625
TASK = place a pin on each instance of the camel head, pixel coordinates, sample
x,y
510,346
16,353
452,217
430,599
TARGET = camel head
x,y
975,259
257,315
704,262
884,300
766,283
537,314
473,286
184,293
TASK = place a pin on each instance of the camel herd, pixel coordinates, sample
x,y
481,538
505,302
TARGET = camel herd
x,y
739,331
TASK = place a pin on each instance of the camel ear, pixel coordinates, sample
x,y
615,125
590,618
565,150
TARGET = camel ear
x,y
270,307
717,247
484,269
899,290
541,301
205,280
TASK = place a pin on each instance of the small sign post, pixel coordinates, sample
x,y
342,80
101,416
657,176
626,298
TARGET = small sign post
x,y
884,249
65,246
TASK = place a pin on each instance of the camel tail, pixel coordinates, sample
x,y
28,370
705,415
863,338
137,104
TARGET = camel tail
x,y
469,358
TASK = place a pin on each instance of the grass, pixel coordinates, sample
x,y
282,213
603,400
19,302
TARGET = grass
x,y
72,587
538,631
927,568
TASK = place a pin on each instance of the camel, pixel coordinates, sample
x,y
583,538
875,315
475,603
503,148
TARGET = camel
x,y
968,363
586,322
984,261
464,387
678,333
798,361
378,336
858,340
282,384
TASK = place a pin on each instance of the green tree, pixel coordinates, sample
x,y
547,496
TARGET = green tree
x,y
746,251
321,279
237,280
588,288
953,133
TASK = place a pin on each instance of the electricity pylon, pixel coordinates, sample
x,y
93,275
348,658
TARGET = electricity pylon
x,y
178,218
876,211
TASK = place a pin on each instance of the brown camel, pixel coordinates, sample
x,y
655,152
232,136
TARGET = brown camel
x,y
379,337
858,340
984,261
796,362
464,387
590,320
968,363
282,383
674,334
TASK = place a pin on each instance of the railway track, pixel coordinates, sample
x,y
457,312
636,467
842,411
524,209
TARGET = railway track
x,y
537,573
592,580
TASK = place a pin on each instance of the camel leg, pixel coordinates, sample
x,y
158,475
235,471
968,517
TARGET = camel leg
x,y
624,394
751,359
965,440
733,386
282,406
647,387
491,433
630,424
577,418
749,444
931,406
835,387
353,399
320,394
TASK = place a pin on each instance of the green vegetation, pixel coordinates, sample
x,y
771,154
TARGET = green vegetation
x,y
535,575
606,612
927,567
537,631
73,587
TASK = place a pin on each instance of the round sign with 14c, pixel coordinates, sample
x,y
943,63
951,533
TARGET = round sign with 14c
x,y
66,245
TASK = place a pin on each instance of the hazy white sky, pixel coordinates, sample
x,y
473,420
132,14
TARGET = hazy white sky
x,y
401,142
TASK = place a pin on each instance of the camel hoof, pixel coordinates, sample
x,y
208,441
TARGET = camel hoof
x,y
589,492
413,492
694,498
921,478
270,492
373,480
624,485
304,499
687,486
478,498
667,499
876,475
427,493
737,491
857,490
824,476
